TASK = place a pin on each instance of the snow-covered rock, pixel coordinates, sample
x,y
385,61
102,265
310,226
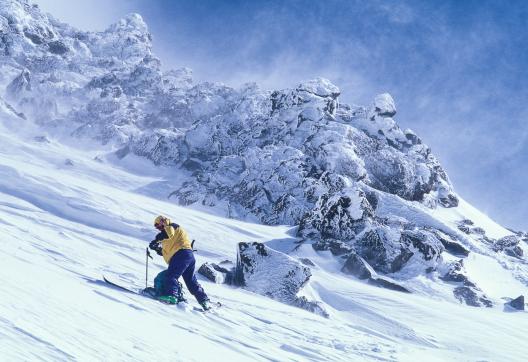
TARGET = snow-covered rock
x,y
509,245
465,291
216,273
265,271
269,272
517,303
384,105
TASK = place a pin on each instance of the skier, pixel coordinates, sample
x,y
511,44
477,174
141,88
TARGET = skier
x,y
173,244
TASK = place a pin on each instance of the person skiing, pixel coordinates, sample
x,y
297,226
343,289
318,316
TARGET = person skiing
x,y
174,245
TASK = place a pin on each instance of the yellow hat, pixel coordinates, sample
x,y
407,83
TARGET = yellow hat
x,y
158,219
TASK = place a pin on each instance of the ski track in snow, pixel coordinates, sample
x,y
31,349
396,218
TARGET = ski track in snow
x,y
64,227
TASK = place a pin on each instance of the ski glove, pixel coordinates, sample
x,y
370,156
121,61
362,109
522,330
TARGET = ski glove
x,y
154,245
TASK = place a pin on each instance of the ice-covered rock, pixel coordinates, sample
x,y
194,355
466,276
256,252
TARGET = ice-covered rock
x,y
451,245
127,40
389,250
472,296
384,105
517,303
465,290
339,215
271,273
216,273
509,245
358,267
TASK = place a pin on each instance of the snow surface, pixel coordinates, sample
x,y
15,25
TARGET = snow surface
x,y
65,224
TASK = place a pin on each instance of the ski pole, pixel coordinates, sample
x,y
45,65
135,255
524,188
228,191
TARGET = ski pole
x,y
146,267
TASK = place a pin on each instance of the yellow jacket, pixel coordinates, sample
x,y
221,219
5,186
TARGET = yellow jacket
x,y
173,238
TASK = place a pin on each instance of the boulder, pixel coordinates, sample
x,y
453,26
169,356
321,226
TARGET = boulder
x,y
311,306
509,245
425,242
451,246
517,303
215,273
337,216
464,228
455,273
358,267
472,296
384,105
58,47
381,249
268,272
336,247
478,230
466,291
307,261
320,87
388,250
387,283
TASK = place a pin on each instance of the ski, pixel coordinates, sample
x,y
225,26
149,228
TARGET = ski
x,y
214,305
120,286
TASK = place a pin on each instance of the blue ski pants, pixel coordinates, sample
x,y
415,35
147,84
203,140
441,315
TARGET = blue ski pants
x,y
182,264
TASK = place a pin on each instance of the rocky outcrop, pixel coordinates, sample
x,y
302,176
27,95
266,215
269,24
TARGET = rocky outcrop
x,y
389,250
311,306
465,290
451,245
509,245
339,216
358,267
216,273
387,283
472,296
274,274
336,247
517,303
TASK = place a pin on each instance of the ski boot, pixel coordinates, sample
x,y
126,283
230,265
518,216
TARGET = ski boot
x,y
172,299
206,304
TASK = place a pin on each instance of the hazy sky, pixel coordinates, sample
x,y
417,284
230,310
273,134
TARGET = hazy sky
x,y
458,70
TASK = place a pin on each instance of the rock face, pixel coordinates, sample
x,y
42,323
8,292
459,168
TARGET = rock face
x,y
452,246
216,273
465,291
517,303
358,267
274,274
509,245
257,271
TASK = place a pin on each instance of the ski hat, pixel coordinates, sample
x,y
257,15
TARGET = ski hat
x,y
160,218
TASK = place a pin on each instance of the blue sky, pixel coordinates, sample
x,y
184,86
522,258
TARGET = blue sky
x,y
458,70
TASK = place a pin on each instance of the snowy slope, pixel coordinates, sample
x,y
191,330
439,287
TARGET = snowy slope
x,y
94,137
63,225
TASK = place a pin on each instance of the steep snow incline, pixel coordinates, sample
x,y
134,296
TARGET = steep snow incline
x,y
66,219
